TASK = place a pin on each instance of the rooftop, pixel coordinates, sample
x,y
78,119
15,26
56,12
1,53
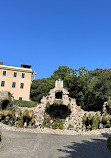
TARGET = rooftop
x,y
23,68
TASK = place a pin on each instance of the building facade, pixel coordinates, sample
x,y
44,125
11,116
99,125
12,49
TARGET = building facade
x,y
16,80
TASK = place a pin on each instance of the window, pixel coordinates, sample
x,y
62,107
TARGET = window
x,y
15,74
13,84
4,73
23,75
22,85
20,98
2,83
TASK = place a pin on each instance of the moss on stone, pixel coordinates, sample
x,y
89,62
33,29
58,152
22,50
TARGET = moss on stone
x,y
106,120
48,105
58,102
19,122
95,122
26,113
89,117
70,127
84,119
7,117
58,124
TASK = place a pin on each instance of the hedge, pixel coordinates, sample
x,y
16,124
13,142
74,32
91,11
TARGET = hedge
x,y
23,103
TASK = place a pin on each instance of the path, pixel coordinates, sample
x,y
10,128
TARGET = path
x,y
33,145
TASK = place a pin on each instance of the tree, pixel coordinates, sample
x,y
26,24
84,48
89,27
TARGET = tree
x,y
89,88
40,88
62,72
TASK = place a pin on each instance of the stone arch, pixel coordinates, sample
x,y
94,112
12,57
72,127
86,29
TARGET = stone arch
x,y
5,104
58,111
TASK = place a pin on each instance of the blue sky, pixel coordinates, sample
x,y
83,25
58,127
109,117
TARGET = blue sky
x,y
50,33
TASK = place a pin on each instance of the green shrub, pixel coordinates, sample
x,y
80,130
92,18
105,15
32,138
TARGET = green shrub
x,y
95,122
106,120
23,103
70,126
58,124
61,124
55,125
19,122
109,143
46,125
0,135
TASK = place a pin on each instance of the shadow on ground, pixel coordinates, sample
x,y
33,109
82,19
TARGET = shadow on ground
x,y
93,148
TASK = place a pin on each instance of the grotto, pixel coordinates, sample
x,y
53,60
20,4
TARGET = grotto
x,y
56,110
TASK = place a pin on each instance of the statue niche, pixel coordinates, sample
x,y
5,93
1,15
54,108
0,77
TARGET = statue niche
x,y
58,95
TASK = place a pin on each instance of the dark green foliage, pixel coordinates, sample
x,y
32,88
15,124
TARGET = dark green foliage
x,y
41,88
109,143
23,103
90,88
62,72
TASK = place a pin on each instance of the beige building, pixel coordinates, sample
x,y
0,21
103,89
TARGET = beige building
x,y
16,80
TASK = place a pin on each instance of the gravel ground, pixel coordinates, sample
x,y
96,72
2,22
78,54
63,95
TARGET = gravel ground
x,y
56,131
38,145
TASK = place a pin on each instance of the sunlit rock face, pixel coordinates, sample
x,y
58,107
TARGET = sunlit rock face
x,y
5,99
57,109
58,105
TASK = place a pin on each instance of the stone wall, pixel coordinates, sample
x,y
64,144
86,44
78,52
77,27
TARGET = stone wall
x,y
3,96
60,97
6,98
75,118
